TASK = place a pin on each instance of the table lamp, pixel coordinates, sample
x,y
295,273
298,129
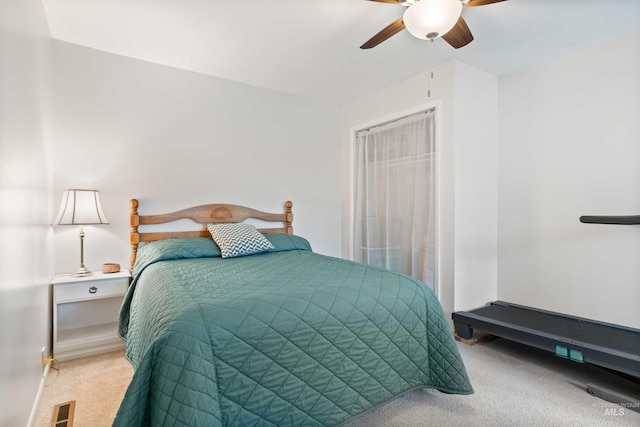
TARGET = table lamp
x,y
81,207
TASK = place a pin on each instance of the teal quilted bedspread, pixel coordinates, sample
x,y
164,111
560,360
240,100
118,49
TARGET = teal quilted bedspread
x,y
283,338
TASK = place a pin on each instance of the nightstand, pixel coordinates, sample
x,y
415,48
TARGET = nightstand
x,y
85,313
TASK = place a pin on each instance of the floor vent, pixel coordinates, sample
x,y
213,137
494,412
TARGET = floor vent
x,y
63,414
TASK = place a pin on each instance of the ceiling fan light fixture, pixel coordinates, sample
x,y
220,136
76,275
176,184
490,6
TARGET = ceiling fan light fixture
x,y
430,19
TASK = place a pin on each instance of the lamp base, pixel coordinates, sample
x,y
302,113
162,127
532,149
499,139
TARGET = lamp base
x,y
82,272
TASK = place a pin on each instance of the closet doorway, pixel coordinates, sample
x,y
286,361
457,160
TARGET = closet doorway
x,y
394,220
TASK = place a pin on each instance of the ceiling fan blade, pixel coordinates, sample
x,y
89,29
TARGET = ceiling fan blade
x,y
459,35
387,1
388,31
473,3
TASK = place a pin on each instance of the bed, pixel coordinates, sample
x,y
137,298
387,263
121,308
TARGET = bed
x,y
282,337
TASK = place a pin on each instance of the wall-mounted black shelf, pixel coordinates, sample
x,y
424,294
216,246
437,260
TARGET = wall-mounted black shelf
x,y
621,220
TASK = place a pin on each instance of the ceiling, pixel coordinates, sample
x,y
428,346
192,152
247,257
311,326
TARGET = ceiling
x,y
311,47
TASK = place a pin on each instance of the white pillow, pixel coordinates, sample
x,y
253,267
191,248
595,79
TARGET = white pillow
x,y
238,239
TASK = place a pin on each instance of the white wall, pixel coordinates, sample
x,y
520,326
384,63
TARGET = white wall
x,y
468,178
570,146
175,139
476,187
25,249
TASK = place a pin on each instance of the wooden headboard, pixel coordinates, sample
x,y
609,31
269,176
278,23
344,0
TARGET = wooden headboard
x,y
203,214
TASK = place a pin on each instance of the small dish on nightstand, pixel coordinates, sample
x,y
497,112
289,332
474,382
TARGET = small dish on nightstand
x,y
110,267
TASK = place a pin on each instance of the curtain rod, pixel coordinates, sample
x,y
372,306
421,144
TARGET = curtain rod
x,y
397,121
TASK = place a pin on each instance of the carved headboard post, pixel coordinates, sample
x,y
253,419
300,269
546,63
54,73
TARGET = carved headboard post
x,y
288,219
134,222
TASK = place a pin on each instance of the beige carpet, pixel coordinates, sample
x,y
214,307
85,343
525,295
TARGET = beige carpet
x,y
515,385
96,383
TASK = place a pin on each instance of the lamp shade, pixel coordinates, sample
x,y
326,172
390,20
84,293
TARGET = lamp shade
x,y
81,207
430,19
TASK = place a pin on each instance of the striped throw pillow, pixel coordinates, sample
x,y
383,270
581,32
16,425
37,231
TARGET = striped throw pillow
x,y
239,239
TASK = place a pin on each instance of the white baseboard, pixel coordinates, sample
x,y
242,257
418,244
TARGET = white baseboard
x,y
36,404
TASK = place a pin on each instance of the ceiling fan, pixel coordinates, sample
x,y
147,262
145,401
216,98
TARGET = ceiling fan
x,y
430,19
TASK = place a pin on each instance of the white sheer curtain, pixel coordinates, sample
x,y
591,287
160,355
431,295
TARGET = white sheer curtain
x,y
394,222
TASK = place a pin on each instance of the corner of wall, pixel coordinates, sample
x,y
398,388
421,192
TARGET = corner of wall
x,y
476,187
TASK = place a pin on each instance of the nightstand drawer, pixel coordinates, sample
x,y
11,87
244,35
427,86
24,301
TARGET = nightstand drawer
x,y
90,289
